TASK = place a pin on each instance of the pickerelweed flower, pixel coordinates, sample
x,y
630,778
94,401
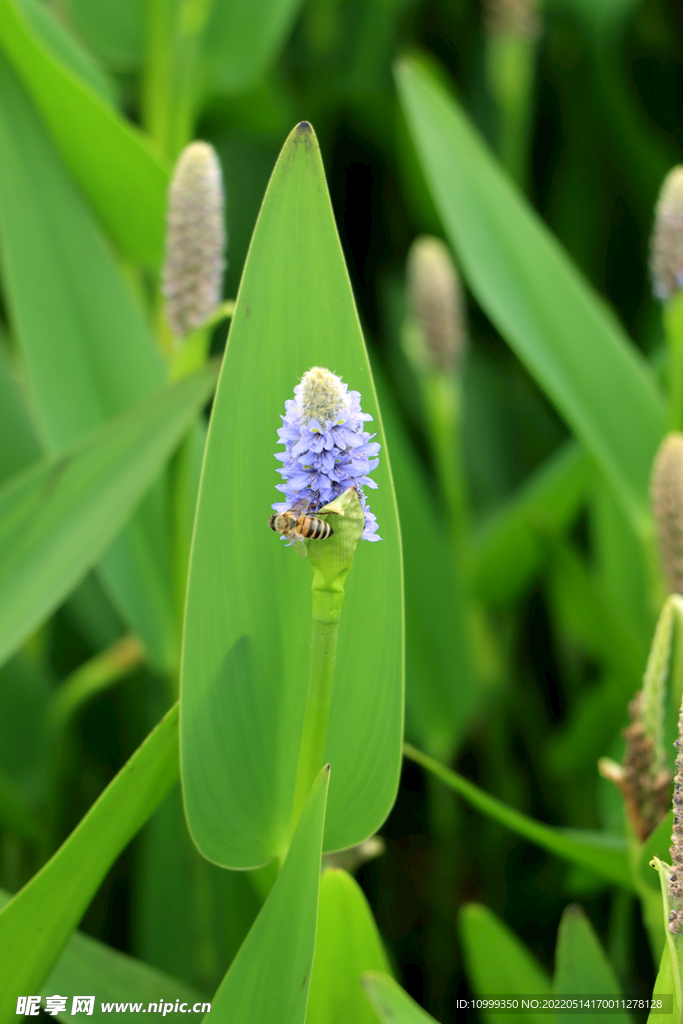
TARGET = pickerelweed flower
x,y
327,448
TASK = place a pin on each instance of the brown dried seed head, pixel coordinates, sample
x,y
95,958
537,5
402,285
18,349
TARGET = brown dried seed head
x,y
519,18
666,250
666,488
435,298
195,239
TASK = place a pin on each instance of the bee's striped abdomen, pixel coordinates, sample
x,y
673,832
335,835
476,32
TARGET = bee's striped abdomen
x,y
314,529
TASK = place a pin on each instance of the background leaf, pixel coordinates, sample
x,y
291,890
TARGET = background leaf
x,y
391,1004
581,967
87,350
538,300
498,963
247,626
347,943
35,925
242,38
119,171
58,517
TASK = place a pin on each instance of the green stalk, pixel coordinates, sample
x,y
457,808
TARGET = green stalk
x,y
171,83
317,714
510,66
331,561
673,327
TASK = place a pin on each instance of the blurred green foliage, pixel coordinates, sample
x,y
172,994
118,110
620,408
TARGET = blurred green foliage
x,y
530,606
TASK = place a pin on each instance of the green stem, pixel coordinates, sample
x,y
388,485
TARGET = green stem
x,y
673,326
156,87
510,63
317,714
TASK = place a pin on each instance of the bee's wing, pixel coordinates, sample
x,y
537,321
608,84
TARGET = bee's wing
x,y
297,543
300,507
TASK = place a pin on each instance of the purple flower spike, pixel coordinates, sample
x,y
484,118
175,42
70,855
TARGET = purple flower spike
x,y
326,447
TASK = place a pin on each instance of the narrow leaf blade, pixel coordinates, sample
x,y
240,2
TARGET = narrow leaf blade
x,y
36,924
535,296
269,978
58,517
122,176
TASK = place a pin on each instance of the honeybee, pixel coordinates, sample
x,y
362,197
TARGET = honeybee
x,y
295,525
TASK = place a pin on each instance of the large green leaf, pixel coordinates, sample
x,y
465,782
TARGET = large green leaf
x,y
58,516
87,350
600,852
248,621
498,963
36,924
581,966
123,177
87,965
391,1004
269,978
242,38
529,288
347,944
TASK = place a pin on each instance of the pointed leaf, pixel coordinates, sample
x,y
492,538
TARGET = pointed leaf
x,y
36,924
581,966
248,614
269,978
498,963
122,176
347,944
391,1004
58,516
535,296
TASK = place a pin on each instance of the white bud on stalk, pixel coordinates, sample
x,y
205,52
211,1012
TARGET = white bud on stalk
x,y
195,239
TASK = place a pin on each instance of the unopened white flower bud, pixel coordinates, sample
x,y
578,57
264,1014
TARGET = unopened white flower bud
x,y
667,505
195,239
666,252
519,18
436,302
321,395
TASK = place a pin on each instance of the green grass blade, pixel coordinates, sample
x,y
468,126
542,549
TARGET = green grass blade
x,y
535,296
347,943
87,965
581,966
121,174
58,517
269,978
242,39
674,943
391,1004
248,625
36,924
498,963
600,852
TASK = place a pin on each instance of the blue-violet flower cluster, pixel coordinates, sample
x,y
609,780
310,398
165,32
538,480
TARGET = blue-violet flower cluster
x,y
327,449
